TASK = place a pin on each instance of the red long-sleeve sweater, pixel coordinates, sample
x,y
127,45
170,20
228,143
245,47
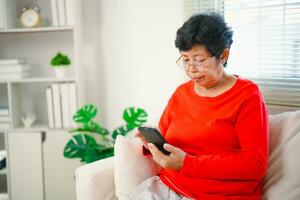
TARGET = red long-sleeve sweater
x,y
225,138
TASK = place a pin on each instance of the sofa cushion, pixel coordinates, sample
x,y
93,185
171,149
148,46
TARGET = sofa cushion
x,y
283,178
131,167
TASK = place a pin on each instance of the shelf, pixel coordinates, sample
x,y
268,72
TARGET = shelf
x,y
35,128
39,29
37,80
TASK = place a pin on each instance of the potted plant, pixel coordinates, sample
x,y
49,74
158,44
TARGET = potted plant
x,y
60,62
91,142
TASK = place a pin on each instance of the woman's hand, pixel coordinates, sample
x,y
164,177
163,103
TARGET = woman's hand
x,y
172,161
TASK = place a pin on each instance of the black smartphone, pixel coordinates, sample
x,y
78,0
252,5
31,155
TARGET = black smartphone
x,y
152,135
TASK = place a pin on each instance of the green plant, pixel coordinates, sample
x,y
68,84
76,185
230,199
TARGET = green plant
x,y
60,60
91,142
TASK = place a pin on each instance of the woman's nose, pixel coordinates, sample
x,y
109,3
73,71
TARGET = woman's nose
x,y
193,69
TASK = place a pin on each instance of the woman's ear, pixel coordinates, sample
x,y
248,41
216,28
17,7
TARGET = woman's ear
x,y
225,55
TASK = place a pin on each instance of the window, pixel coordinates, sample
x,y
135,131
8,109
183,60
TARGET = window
x,y
266,47
195,6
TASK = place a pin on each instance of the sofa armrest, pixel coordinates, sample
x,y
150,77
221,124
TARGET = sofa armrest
x,y
95,181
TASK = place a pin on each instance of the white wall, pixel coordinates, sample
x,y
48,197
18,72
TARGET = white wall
x,y
129,56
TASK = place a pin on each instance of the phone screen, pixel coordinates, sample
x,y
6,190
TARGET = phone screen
x,y
152,135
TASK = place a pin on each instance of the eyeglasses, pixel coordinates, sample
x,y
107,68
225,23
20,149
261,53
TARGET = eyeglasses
x,y
185,65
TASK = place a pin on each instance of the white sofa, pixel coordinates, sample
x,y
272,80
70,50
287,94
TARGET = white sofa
x,y
96,181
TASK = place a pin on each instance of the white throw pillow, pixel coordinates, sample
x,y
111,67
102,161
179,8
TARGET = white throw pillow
x,y
283,176
131,167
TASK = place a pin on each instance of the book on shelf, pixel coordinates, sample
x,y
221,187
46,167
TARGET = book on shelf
x,y
54,12
70,12
61,105
49,98
14,68
73,102
7,76
57,106
1,15
62,12
4,118
65,101
15,61
8,14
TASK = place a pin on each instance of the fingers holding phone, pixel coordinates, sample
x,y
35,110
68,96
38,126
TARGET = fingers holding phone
x,y
153,135
172,161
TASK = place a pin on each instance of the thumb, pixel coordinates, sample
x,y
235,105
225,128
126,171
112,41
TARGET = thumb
x,y
171,148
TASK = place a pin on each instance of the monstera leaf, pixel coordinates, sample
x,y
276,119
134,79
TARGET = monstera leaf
x,y
89,147
91,154
122,130
85,114
86,148
92,127
135,116
96,153
78,145
102,152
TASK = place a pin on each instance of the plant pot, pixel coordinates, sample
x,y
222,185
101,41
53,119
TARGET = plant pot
x,y
60,72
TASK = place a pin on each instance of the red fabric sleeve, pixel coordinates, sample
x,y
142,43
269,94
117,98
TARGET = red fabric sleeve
x,y
251,161
166,118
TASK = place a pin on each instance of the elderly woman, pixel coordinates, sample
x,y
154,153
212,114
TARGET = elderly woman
x,y
216,124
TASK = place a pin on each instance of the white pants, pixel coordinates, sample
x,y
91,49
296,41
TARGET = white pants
x,y
154,189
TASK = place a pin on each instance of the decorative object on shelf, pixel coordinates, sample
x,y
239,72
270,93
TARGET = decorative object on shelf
x,y
91,142
60,62
29,119
2,159
31,17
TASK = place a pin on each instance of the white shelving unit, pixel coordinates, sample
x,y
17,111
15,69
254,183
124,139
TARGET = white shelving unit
x,y
39,80
40,29
38,46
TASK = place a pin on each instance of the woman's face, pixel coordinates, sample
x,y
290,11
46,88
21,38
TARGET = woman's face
x,y
206,71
